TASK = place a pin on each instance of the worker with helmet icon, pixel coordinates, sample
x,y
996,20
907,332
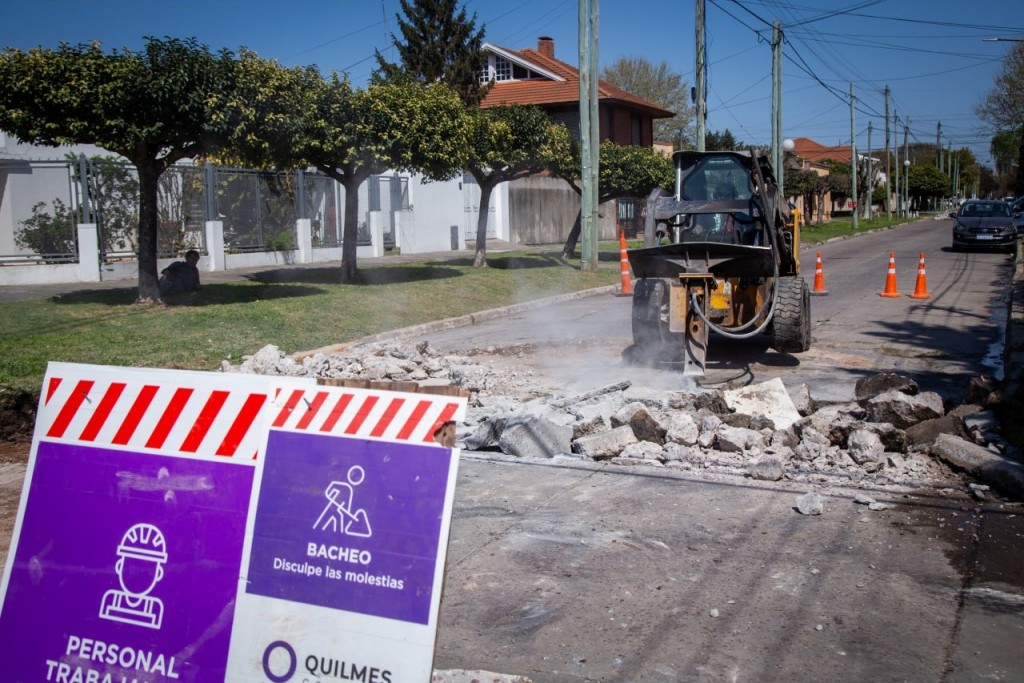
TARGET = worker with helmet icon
x,y
141,556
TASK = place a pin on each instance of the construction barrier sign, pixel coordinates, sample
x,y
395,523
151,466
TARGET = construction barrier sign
x,y
158,533
345,551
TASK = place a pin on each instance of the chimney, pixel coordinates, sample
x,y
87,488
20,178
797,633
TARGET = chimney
x,y
546,46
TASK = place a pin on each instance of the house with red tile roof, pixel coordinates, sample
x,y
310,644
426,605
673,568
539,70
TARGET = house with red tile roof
x,y
808,149
537,77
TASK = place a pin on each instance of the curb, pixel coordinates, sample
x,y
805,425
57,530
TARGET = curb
x,y
460,321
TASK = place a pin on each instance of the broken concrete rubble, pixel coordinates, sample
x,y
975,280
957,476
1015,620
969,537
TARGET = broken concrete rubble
x,y
768,399
513,414
903,410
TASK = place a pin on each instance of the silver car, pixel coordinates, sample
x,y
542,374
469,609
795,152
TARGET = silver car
x,y
986,223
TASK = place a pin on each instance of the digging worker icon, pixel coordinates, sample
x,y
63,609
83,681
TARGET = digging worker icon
x,y
338,515
141,556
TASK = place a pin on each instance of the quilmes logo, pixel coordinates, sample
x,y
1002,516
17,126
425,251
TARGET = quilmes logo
x,y
280,662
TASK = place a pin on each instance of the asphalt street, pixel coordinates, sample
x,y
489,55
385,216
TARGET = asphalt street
x,y
560,570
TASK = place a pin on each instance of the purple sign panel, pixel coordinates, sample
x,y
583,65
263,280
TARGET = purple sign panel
x,y
126,567
349,524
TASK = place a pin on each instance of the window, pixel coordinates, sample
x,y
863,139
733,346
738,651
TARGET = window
x,y
634,132
502,69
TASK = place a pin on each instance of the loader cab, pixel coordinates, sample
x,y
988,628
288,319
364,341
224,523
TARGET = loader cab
x,y
722,177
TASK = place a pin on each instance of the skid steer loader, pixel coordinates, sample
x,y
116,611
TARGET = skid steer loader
x,y
720,254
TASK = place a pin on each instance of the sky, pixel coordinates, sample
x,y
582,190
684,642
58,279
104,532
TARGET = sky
x,y
932,54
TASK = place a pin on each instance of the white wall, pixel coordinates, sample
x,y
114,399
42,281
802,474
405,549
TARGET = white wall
x,y
436,207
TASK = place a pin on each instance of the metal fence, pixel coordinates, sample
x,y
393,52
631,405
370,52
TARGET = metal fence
x,y
113,204
258,209
40,200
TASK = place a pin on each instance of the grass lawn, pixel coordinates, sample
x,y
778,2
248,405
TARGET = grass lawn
x,y
817,233
295,309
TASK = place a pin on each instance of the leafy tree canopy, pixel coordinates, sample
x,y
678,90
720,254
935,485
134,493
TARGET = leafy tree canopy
x,y
1003,107
440,44
724,140
657,83
294,118
925,180
506,143
153,107
623,171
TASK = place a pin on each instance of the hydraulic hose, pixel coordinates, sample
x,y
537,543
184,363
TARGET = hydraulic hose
x,y
734,333
773,238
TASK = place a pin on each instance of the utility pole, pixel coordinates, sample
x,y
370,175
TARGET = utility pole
x,y
952,175
938,145
896,170
701,87
589,133
871,184
906,166
853,159
777,152
595,131
888,169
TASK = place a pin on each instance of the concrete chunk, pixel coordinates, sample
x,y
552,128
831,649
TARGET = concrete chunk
x,y
869,387
992,468
902,410
644,425
534,437
865,446
606,444
682,429
738,440
769,399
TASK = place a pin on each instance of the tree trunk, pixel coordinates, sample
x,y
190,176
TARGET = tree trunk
x,y
480,259
149,284
350,226
569,250
577,227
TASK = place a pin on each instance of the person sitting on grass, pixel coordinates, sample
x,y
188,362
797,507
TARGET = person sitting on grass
x,y
180,276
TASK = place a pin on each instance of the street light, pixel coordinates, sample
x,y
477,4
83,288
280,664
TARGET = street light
x,y
1003,40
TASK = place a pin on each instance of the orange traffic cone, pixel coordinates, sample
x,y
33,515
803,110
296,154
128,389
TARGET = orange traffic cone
x,y
819,279
921,287
890,280
627,280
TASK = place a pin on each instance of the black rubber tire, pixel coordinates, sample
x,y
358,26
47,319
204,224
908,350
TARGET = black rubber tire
x,y
791,323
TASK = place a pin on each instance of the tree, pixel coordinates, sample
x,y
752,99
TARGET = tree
x,y
925,181
969,171
439,46
800,182
1003,107
623,171
1005,150
724,140
839,181
294,118
506,143
661,85
153,107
